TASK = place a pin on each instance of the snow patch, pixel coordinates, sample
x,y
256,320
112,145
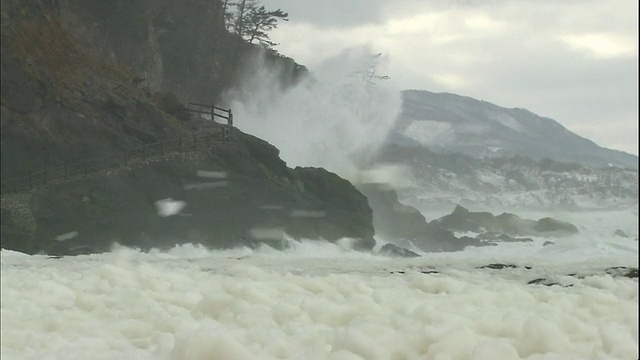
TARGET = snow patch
x,y
430,132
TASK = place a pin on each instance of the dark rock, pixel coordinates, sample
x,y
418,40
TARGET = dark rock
x,y
18,92
623,271
392,219
401,223
69,95
338,209
546,282
549,225
619,271
121,206
497,266
429,271
620,233
171,104
507,224
426,271
462,219
396,251
6,219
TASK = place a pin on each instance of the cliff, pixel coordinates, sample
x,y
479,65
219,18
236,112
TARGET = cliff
x,y
85,80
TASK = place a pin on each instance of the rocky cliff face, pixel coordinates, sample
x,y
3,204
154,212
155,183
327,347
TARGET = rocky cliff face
x,y
79,81
167,46
96,73
233,195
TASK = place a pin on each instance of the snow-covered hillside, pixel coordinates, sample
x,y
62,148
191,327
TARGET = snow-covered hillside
x,y
445,122
436,180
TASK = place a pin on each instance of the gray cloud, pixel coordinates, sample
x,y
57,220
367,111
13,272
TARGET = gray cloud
x,y
330,13
571,60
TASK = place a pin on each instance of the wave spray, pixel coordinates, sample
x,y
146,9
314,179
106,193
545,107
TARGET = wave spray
x,y
336,118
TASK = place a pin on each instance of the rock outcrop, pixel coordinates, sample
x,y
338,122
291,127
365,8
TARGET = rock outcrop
x,y
405,226
237,194
393,250
84,80
463,220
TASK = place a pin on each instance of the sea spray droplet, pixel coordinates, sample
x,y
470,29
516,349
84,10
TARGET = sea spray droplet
x,y
167,207
67,236
212,174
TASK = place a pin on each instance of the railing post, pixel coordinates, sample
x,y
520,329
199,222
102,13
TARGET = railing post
x,y
230,120
213,114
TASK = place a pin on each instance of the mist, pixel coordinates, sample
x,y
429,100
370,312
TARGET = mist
x,y
337,118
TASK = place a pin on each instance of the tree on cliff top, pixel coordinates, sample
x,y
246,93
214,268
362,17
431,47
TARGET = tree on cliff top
x,y
252,22
259,21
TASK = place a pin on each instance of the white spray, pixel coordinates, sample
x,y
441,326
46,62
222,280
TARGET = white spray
x,y
337,120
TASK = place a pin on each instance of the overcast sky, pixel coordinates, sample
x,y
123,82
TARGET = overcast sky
x,y
575,61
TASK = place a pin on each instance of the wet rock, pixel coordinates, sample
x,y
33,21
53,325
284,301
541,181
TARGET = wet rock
x,y
546,282
497,266
623,271
620,233
548,225
394,220
511,225
397,251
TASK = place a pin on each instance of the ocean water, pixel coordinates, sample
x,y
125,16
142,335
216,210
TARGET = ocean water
x,y
324,301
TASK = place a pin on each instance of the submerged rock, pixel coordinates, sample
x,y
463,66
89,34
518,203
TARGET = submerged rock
x,y
552,226
620,233
623,271
397,251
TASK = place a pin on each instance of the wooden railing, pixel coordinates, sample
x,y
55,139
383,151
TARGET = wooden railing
x,y
68,171
212,112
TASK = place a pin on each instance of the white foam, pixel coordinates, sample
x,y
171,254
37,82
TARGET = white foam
x,y
319,300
